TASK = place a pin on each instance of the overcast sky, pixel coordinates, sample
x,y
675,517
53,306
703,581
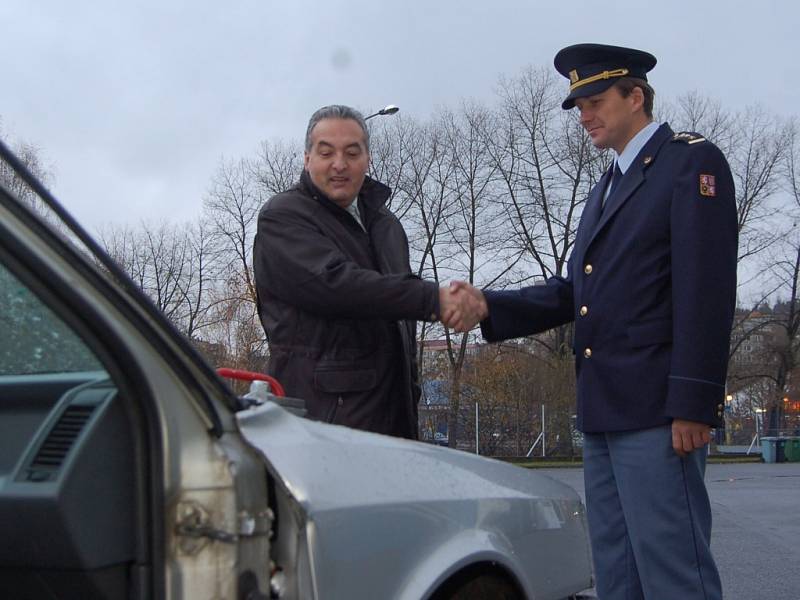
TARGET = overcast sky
x,y
134,103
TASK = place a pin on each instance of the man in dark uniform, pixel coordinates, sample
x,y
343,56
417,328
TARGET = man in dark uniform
x,y
651,286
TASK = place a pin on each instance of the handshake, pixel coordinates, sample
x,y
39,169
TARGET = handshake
x,y
461,306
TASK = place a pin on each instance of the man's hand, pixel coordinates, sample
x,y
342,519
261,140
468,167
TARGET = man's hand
x,y
688,436
462,306
448,305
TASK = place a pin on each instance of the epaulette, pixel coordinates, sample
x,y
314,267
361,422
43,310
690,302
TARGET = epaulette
x,y
688,137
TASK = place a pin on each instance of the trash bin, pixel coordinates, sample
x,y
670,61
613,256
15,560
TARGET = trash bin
x,y
792,449
768,449
780,450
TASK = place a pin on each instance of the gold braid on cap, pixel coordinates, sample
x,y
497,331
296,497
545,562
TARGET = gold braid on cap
x,y
598,77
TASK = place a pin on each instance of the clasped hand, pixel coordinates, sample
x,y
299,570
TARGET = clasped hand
x,y
461,306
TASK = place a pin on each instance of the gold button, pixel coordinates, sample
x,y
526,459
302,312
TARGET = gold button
x,y
720,406
433,317
587,353
719,414
587,269
584,310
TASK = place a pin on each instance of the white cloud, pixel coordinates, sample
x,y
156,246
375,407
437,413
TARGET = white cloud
x,y
135,103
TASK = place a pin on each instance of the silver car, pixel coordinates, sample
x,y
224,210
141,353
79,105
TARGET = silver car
x,y
129,469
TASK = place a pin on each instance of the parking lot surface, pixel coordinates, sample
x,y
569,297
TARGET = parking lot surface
x,y
756,531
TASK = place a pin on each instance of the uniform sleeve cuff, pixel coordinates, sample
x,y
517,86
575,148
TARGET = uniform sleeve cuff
x,y
696,400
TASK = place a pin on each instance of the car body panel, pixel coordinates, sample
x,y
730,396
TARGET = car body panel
x,y
398,516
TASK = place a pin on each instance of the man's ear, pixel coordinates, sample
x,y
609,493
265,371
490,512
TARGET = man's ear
x,y
305,161
637,96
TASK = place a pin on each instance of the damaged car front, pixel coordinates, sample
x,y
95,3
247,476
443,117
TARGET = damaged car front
x,y
363,514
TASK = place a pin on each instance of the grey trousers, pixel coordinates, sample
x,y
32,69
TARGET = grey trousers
x,y
649,518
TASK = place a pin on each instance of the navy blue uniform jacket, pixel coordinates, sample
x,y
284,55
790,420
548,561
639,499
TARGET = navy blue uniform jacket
x,y
651,286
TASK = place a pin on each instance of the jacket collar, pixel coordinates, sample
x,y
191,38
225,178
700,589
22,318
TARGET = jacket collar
x,y
635,145
635,175
373,194
632,179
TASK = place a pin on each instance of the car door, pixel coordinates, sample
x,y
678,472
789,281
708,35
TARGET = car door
x,y
122,474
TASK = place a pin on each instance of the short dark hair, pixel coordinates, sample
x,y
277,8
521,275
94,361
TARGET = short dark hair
x,y
336,111
625,86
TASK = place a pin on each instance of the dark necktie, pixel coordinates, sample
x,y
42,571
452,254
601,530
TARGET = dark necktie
x,y
613,185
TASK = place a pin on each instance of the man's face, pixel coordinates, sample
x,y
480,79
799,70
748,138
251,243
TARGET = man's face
x,y
338,159
610,119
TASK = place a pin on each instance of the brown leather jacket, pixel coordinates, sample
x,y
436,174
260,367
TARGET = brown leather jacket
x,y
339,306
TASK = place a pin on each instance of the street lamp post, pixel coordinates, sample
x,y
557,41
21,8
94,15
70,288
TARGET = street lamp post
x,y
386,110
728,418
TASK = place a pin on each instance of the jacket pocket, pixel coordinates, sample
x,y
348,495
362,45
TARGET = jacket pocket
x,y
342,382
650,333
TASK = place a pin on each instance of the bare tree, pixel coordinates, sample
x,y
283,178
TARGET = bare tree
x,y
786,267
238,191
234,326
473,226
775,332
547,166
173,265
201,276
424,192
391,145
420,163
754,141
277,166
701,114
413,158
231,205
756,161
154,257
32,157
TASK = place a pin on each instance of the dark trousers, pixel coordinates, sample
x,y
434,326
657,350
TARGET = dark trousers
x,y
649,518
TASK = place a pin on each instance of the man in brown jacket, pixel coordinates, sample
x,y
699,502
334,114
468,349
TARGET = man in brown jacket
x,y
336,294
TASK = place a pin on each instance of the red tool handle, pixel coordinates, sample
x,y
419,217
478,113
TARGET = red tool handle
x,y
277,388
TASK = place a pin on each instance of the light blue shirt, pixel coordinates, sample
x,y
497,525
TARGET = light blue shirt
x,y
632,149
635,146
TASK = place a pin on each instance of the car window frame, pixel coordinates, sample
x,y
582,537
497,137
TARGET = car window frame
x,y
67,305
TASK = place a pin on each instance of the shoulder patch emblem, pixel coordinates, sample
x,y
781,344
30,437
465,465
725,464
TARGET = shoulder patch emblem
x,y
688,137
708,186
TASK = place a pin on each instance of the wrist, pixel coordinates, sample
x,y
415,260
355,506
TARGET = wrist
x,y
484,307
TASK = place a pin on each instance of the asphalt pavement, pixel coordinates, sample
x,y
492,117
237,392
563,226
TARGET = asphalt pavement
x,y
756,527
